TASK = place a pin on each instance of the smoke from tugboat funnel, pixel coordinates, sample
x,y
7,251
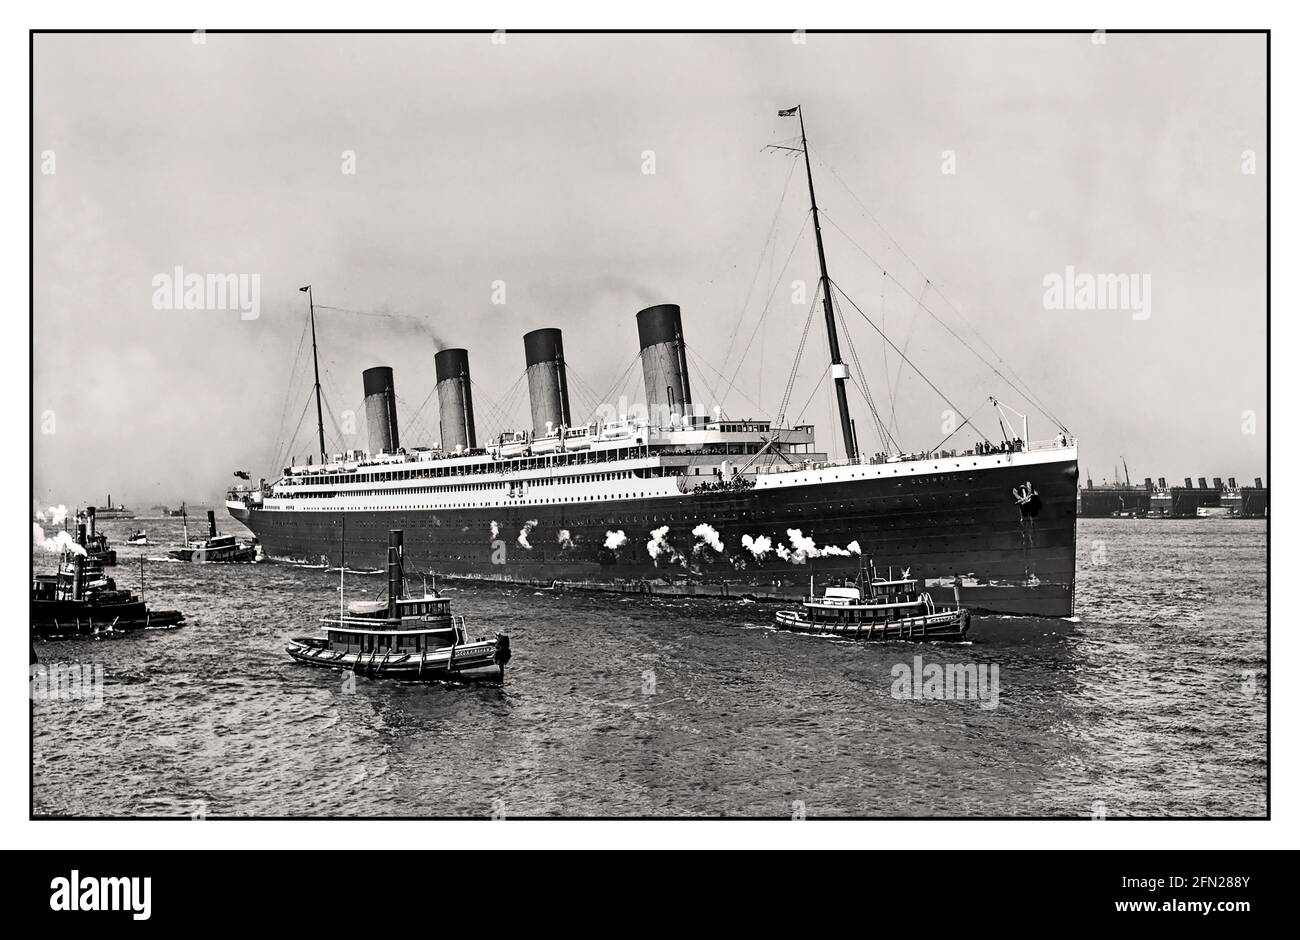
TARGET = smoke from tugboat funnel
x,y
381,410
548,384
455,401
663,363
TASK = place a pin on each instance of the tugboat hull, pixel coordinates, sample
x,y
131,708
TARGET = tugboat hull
x,y
225,554
65,618
946,625
482,659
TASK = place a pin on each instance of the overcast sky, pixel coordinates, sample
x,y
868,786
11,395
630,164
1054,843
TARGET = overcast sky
x,y
525,162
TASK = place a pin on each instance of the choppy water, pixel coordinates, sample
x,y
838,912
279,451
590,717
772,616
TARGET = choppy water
x,y
1153,704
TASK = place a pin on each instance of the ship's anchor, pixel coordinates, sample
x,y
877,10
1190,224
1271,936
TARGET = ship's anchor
x,y
1028,501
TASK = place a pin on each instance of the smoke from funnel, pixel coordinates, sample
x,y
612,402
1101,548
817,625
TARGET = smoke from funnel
x,y
60,542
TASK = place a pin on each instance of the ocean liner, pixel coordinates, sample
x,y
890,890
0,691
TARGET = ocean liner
x,y
675,500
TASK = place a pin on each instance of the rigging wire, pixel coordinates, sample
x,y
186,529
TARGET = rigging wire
x,y
954,431
503,419
700,360
584,393
417,428
898,376
417,417
767,307
329,410
1023,388
382,315
1019,387
884,349
285,455
816,388
620,381
277,441
692,357
859,381
798,355
768,244
915,368
515,396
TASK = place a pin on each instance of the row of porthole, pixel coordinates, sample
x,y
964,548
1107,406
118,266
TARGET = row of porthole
x,y
496,505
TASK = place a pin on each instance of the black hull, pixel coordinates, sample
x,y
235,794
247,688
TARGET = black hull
x,y
221,557
1012,558
486,664
949,626
51,619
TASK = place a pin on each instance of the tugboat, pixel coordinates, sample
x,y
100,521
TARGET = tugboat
x,y
403,637
877,609
222,548
96,544
138,537
80,600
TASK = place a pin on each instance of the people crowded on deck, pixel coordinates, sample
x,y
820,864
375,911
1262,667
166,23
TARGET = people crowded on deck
x,y
736,482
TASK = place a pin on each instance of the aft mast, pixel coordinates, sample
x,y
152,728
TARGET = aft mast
x,y
839,370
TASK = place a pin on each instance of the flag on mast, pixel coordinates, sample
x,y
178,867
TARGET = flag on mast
x,y
788,112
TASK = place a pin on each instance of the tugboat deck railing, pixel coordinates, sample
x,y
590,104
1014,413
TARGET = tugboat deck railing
x,y
822,604
368,625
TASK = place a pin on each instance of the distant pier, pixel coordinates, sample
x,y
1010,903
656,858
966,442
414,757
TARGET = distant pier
x,y
1219,498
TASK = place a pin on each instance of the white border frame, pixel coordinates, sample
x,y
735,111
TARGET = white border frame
x,y
16,830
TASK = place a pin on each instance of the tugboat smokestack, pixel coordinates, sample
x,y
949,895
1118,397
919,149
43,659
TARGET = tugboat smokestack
x,y
548,384
212,524
81,534
455,402
77,576
394,571
90,521
663,362
381,410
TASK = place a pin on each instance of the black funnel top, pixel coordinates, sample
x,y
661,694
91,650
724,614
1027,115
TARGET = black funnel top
x,y
451,364
545,345
661,323
377,380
